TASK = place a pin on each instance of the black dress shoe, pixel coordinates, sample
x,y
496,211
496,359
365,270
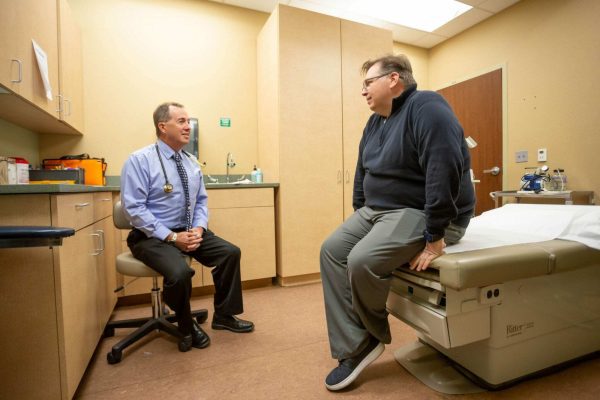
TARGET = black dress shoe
x,y
200,339
231,323
185,343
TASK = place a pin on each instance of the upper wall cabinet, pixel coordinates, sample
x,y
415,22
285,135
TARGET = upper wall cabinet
x,y
25,102
70,68
22,21
310,119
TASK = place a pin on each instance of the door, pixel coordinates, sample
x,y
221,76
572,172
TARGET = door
x,y
477,103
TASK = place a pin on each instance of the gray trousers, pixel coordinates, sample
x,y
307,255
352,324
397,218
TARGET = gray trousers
x,y
357,261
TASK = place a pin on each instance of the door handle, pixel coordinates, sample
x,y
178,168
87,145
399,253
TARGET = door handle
x,y
494,171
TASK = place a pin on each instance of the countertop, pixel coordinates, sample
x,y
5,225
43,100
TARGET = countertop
x,y
240,185
57,188
65,188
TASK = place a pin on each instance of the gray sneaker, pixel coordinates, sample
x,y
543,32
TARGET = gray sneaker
x,y
349,369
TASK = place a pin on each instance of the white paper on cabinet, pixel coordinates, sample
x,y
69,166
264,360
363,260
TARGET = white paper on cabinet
x,y
42,61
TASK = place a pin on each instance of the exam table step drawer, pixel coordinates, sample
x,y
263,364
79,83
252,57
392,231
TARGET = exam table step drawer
x,y
462,325
424,319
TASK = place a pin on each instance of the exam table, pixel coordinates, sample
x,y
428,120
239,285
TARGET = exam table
x,y
501,314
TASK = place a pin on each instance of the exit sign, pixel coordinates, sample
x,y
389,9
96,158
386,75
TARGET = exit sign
x,y
225,122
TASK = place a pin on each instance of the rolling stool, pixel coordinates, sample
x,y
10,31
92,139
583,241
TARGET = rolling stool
x,y
130,266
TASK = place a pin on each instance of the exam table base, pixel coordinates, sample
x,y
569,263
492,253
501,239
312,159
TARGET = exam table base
x,y
434,370
441,374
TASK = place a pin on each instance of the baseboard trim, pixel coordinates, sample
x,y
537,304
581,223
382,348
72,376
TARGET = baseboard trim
x,y
298,280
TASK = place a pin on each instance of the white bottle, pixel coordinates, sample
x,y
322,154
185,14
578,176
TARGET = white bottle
x,y
253,175
259,175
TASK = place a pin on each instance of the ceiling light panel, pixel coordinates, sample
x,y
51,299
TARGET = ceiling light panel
x,y
425,15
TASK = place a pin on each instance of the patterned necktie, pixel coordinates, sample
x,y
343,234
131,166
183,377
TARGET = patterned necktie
x,y
186,190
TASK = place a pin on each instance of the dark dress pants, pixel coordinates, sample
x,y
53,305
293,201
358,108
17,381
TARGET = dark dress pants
x,y
214,252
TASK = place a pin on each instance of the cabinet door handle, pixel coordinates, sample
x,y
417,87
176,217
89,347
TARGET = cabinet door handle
x,y
101,232
68,113
20,64
339,176
347,176
81,205
59,110
96,250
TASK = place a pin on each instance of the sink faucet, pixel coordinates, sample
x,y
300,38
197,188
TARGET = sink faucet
x,y
230,163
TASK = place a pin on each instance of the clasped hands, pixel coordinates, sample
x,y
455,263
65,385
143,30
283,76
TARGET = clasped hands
x,y
432,250
189,240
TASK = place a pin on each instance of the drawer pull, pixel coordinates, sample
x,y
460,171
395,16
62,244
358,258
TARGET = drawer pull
x,y
96,250
105,199
81,205
101,232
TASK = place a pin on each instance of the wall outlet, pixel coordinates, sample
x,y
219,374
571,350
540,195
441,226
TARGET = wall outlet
x,y
521,156
542,154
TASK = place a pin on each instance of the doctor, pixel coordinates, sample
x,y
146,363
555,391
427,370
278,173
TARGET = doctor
x,y
412,196
165,200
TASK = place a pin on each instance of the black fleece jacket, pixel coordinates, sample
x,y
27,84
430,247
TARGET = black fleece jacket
x,y
416,158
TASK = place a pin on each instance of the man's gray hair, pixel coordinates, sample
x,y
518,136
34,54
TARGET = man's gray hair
x,y
163,114
393,63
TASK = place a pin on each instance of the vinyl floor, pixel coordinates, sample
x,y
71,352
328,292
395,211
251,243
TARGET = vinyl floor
x,y
286,357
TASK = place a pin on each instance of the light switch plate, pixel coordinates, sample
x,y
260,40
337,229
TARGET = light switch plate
x,y
542,155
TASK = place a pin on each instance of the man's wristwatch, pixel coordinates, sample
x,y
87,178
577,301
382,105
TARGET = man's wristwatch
x,y
172,239
431,237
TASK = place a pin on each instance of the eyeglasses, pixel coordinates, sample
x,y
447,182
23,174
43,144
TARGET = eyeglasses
x,y
367,82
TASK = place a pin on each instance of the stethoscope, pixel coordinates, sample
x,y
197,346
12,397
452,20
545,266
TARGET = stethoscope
x,y
167,187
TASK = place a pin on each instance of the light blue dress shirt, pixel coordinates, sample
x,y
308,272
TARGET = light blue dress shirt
x,y
148,207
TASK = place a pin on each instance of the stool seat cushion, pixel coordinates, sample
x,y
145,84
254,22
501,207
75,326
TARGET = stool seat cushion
x,y
128,265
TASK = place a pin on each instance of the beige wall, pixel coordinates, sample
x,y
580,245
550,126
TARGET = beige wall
x,y
140,53
551,50
419,60
18,142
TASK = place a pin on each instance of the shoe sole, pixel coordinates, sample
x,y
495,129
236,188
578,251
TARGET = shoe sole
x,y
372,356
202,345
228,328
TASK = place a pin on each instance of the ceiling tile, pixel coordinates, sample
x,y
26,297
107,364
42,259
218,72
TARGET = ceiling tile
x,y
473,3
463,22
407,35
496,5
317,7
429,40
259,5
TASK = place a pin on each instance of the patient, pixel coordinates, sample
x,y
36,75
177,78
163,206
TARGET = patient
x,y
164,197
412,196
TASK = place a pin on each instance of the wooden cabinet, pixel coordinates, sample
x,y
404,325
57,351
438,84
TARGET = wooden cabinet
x,y
244,217
59,311
29,366
26,103
86,279
20,22
70,68
308,138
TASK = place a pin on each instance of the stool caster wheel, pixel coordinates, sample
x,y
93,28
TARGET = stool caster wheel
x,y
114,357
202,318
